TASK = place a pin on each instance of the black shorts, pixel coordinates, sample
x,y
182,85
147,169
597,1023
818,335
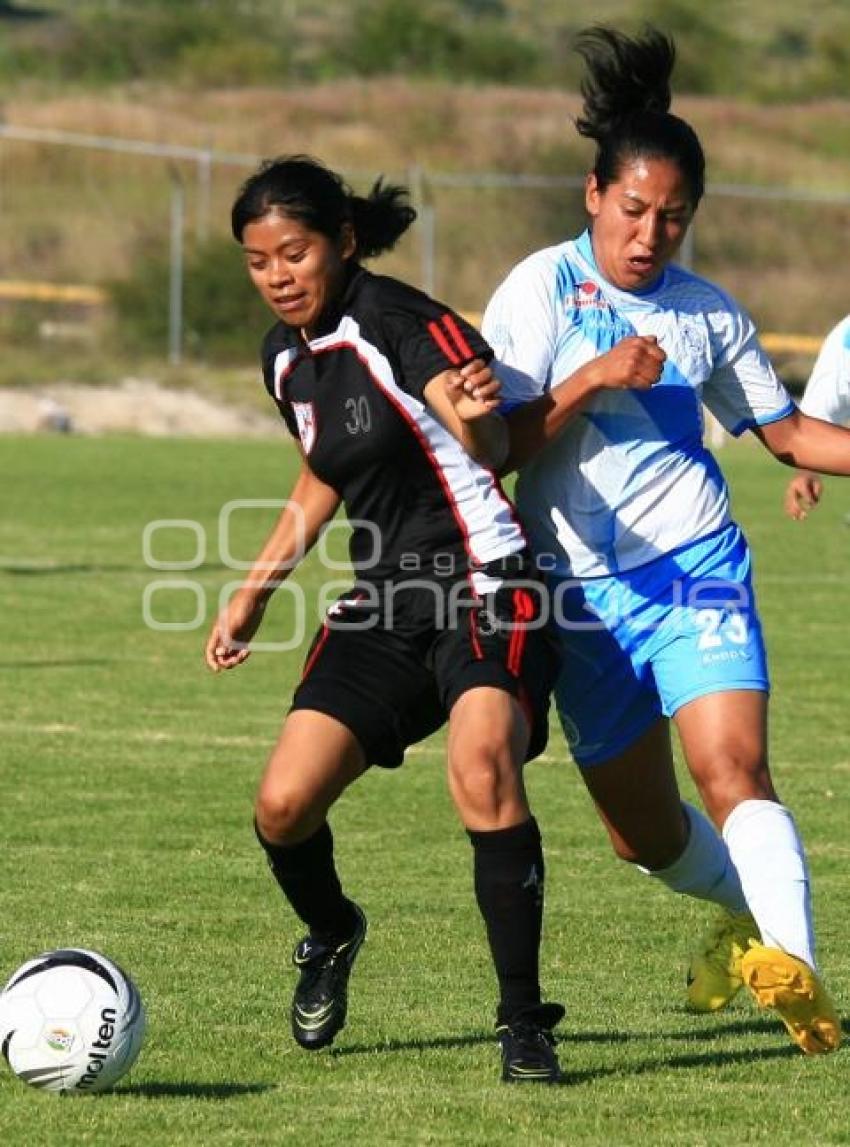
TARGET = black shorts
x,y
389,663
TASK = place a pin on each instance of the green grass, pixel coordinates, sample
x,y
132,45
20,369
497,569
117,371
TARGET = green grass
x,y
126,823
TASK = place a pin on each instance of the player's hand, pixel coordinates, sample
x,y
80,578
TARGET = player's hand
x,y
802,494
229,639
473,390
635,363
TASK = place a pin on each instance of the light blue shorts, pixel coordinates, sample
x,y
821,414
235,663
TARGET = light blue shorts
x,y
644,642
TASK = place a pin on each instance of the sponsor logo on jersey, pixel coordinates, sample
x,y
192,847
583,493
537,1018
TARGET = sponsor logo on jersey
x,y
305,417
587,295
588,307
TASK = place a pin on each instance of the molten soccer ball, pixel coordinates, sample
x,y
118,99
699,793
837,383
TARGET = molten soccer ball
x,y
71,1021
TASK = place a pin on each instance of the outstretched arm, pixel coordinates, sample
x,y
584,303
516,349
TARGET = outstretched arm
x,y
310,505
808,443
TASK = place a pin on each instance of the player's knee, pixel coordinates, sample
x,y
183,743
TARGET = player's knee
x,y
653,857
733,774
281,816
485,783
661,848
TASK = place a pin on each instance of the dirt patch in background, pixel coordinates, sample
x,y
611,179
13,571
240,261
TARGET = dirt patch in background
x,y
134,406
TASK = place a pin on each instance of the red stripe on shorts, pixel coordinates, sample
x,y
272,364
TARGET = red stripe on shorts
x,y
473,634
316,651
523,611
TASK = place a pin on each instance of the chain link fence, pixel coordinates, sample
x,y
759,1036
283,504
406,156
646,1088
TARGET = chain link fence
x,y
79,213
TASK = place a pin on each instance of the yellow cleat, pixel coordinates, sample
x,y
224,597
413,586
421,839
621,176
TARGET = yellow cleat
x,y
714,975
794,991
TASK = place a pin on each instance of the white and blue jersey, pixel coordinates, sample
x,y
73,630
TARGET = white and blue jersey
x,y
629,479
627,510
828,389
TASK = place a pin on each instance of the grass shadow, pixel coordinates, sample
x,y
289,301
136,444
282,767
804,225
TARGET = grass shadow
x,y
677,1062
438,1042
395,1045
749,1026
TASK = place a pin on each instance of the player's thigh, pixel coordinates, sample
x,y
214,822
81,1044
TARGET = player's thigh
x,y
724,739
711,668
605,693
374,682
495,670
709,639
637,797
315,759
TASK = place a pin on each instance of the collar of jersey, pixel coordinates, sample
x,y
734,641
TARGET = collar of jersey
x,y
333,313
584,246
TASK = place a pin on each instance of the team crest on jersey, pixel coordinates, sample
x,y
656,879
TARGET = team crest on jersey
x,y
305,417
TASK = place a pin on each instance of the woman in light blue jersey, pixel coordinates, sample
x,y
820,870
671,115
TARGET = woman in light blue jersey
x,y
607,351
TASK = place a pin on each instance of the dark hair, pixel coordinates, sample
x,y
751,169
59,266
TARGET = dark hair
x,y
303,188
626,92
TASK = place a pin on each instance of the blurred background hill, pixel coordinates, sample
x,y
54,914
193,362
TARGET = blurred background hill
x,y
762,49
469,101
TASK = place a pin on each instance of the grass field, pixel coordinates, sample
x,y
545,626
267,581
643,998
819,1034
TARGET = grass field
x,y
128,774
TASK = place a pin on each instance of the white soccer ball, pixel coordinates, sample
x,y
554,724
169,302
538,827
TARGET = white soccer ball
x,y
71,1021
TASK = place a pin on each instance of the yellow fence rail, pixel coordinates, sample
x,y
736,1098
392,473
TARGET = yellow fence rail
x,y
19,290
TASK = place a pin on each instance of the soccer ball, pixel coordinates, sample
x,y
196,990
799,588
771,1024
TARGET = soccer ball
x,y
71,1021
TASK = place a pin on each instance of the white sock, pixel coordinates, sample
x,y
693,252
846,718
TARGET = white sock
x,y
705,869
768,854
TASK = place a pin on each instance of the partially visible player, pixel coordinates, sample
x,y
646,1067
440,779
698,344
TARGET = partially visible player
x,y
827,396
377,383
607,349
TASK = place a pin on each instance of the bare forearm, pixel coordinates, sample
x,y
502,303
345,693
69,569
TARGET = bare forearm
x,y
486,440
537,423
283,550
808,444
310,505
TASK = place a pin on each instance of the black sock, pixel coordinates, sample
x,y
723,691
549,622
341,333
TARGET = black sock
x,y
509,890
307,877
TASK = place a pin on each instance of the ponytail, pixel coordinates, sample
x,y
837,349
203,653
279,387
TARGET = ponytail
x,y
627,96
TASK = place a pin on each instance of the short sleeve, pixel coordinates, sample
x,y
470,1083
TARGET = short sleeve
x,y
827,394
743,390
428,338
519,323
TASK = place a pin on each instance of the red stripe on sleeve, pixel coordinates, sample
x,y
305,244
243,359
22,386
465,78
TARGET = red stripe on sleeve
x,y
459,341
444,345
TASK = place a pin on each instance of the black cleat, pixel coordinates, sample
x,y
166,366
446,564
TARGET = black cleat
x,y
320,1002
528,1046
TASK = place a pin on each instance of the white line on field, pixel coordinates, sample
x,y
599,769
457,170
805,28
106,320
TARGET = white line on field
x,y
157,738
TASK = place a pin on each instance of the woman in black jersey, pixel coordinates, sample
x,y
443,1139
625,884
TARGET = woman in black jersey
x,y
378,385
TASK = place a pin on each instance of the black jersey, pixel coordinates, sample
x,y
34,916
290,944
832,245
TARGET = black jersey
x,y
417,503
